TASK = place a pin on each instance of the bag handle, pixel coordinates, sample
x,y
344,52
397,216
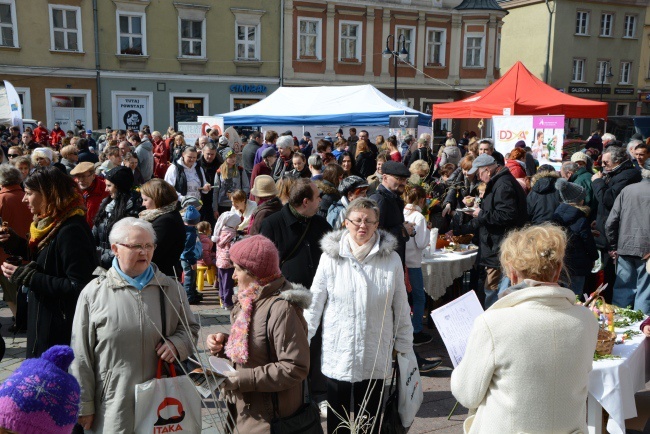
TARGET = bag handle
x,y
170,367
297,245
274,395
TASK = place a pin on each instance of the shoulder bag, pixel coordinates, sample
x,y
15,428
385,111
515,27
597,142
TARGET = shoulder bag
x,y
306,420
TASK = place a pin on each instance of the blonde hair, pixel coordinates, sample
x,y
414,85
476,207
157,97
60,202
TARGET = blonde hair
x,y
419,166
204,228
66,151
283,185
224,170
534,252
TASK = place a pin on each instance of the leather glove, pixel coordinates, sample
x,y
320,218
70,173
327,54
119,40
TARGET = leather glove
x,y
231,382
23,274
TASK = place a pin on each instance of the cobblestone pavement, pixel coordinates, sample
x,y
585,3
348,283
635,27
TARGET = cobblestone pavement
x,y
432,417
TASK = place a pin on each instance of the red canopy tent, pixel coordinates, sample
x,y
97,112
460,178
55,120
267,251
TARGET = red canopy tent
x,y
523,94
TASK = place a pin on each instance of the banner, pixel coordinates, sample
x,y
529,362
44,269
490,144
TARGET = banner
x,y
191,131
543,134
15,106
212,122
132,112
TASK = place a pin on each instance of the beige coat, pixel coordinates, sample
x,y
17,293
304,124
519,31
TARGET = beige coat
x,y
114,343
261,376
527,364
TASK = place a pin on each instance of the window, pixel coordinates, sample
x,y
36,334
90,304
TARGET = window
x,y
578,75
192,38
604,72
622,109
630,26
436,44
247,42
65,28
474,44
606,20
582,23
350,44
309,38
8,30
409,41
626,67
131,37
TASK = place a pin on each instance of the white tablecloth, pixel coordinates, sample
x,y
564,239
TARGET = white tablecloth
x,y
442,269
613,383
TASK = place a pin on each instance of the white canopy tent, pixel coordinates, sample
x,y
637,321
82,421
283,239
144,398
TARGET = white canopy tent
x,y
326,105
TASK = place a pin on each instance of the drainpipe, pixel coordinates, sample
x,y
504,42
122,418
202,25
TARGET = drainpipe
x,y
99,83
548,41
281,42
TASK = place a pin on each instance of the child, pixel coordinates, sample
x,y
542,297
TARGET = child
x,y
225,232
581,249
244,207
191,254
205,230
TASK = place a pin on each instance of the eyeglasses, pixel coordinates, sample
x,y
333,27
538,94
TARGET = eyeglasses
x,y
13,155
367,223
139,247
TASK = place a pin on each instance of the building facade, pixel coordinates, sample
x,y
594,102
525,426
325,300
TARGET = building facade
x,y
451,48
137,62
593,47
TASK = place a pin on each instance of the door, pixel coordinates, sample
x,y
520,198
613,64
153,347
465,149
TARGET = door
x,y
187,110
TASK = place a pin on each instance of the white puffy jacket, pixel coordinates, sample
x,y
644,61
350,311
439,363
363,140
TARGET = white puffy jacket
x,y
362,306
416,245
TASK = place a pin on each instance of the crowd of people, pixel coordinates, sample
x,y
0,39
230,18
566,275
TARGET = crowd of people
x,y
317,250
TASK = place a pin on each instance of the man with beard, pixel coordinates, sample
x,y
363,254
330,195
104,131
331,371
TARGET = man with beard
x,y
209,162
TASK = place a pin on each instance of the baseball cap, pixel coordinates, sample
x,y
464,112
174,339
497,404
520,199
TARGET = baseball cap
x,y
482,160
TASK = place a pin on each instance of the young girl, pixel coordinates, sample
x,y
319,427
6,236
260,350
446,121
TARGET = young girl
x,y
225,232
207,260
244,207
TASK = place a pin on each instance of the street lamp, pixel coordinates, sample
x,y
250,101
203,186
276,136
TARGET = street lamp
x,y
606,74
403,54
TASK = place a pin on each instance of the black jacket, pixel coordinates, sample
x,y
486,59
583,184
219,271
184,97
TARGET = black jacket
x,y
262,211
298,261
330,196
248,156
87,156
581,251
391,217
181,178
503,208
543,199
423,153
170,241
65,266
104,223
365,164
606,189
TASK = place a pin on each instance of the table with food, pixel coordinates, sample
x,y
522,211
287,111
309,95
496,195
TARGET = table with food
x,y
451,257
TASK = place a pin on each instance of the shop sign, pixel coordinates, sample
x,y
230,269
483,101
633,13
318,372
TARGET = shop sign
x,y
132,112
597,90
247,88
623,91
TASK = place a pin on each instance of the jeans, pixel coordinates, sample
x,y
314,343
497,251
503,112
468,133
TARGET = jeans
x,y
189,281
632,285
578,285
417,294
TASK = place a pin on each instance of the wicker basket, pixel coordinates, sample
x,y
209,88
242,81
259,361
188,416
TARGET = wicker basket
x,y
442,242
605,343
463,239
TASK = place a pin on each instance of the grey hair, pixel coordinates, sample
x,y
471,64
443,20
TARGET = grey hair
x,y
9,175
608,137
362,203
618,154
315,161
284,142
568,166
645,173
121,229
631,146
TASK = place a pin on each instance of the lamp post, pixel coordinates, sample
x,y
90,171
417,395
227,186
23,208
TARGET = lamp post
x,y
607,73
402,54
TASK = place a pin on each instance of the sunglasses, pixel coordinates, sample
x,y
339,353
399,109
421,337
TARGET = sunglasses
x,y
13,155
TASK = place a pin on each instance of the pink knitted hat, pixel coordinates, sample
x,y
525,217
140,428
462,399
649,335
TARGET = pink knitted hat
x,y
258,255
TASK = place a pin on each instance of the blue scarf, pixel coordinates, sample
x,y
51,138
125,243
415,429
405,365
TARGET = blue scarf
x,y
138,282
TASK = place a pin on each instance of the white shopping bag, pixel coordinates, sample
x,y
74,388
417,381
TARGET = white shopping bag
x,y
165,405
410,387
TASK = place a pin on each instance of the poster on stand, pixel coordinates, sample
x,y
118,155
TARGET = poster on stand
x,y
402,126
543,134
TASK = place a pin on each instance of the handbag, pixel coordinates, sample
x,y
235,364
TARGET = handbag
x,y
391,422
306,420
409,387
167,404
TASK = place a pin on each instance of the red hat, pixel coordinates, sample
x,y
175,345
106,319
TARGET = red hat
x,y
258,255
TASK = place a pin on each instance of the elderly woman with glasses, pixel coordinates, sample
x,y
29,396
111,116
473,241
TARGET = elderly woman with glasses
x,y
118,325
360,297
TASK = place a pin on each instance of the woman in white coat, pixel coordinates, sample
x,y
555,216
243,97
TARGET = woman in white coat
x,y
359,295
415,198
528,358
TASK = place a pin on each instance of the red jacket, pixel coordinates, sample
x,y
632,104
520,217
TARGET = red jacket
x,y
14,212
41,136
56,136
160,158
516,169
93,197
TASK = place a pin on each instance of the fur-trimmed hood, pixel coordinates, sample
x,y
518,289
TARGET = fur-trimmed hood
x,y
331,243
326,187
296,294
544,182
544,174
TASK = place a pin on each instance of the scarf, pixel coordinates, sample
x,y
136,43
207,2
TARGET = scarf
x,y
237,345
301,218
361,252
43,230
138,282
152,214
